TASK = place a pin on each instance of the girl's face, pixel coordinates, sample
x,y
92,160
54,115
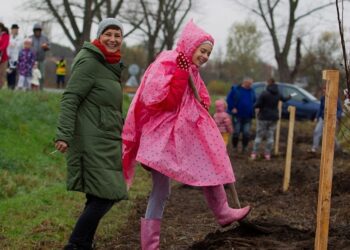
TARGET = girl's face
x,y
201,55
27,44
112,39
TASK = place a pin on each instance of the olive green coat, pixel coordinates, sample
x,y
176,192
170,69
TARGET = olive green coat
x,y
91,123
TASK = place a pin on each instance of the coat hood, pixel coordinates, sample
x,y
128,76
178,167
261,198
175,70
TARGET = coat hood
x,y
191,37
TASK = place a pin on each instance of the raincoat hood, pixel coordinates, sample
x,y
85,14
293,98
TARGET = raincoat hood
x,y
220,106
191,37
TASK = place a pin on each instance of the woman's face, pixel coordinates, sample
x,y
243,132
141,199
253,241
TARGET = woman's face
x,y
112,39
201,55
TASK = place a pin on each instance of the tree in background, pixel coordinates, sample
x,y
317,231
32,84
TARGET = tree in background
x,y
243,44
77,16
323,54
159,21
280,17
241,59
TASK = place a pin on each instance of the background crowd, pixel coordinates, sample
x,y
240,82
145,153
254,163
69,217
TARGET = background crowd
x,y
22,59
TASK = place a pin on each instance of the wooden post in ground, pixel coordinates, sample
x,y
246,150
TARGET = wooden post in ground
x,y
278,128
287,168
327,155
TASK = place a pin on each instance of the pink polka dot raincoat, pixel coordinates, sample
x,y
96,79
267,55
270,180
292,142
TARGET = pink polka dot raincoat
x,y
184,143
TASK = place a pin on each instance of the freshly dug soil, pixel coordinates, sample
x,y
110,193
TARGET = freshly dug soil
x,y
290,217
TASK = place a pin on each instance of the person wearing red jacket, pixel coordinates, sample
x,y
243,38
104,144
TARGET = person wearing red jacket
x,y
4,43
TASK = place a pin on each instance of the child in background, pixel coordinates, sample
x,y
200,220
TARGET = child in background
x,y
26,61
36,76
60,72
223,120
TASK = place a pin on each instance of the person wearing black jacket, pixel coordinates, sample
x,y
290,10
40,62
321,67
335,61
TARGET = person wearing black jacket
x,y
267,108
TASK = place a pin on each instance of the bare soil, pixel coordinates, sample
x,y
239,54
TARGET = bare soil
x,y
290,216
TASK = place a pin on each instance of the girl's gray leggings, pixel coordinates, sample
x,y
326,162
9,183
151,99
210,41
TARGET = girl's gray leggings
x,y
159,195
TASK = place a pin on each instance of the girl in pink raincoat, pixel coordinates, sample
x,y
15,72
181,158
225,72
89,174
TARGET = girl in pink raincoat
x,y
168,130
223,120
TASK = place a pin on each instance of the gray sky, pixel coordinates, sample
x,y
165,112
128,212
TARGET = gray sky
x,y
215,17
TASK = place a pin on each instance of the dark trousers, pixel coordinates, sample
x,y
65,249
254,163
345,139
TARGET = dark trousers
x,y
11,79
60,80
85,228
241,125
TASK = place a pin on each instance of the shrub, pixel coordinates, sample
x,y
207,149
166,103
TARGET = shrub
x,y
219,88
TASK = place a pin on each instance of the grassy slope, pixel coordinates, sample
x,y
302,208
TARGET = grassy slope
x,y
35,209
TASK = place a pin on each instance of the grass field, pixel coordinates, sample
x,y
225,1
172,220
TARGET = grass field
x,y
36,211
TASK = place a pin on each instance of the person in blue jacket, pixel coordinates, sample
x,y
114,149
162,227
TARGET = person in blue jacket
x,y
319,125
240,104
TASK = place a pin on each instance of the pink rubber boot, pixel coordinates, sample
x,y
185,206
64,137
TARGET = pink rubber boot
x,y
217,202
150,234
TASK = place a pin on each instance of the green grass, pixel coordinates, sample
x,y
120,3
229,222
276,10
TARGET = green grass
x,y
27,129
44,218
36,211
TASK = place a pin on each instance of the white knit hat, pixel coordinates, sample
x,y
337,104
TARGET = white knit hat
x,y
105,23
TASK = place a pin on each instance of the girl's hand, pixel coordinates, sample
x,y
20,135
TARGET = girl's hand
x,y
182,61
61,146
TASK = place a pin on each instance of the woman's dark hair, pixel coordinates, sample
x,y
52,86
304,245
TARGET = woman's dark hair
x,y
115,27
3,28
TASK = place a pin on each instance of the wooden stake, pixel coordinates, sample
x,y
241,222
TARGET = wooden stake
x,y
278,128
327,156
287,169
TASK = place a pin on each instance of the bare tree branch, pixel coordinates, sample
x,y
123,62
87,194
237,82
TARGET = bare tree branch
x,y
341,32
70,16
266,9
314,10
60,21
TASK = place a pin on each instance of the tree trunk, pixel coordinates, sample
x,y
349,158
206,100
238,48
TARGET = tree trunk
x,y
283,69
151,50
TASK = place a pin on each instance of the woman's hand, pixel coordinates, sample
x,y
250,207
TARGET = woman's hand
x,y
182,61
61,146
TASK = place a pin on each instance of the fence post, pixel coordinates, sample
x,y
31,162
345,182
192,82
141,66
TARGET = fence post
x,y
287,169
327,156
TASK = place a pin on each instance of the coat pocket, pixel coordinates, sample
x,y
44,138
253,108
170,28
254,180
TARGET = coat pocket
x,y
110,119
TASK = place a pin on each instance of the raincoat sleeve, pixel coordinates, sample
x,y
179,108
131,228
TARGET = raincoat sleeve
x,y
177,86
163,82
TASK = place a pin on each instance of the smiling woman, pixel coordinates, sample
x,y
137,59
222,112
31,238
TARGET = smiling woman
x,y
89,129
